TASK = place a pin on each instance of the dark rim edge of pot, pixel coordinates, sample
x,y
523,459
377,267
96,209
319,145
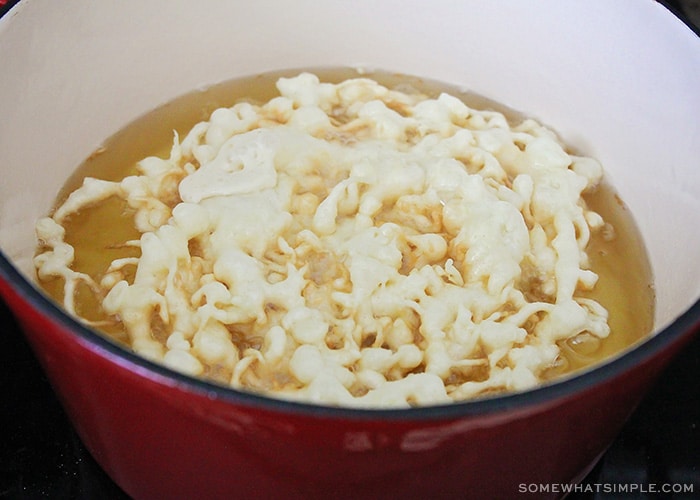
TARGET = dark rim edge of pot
x,y
684,325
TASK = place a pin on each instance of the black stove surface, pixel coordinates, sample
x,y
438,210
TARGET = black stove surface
x,y
42,457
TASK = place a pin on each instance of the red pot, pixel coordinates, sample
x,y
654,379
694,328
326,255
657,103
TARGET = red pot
x,y
160,434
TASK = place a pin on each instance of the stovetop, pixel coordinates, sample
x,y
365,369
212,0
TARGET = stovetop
x,y
42,457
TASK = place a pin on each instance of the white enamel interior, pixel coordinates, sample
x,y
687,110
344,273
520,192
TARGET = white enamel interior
x,y
619,80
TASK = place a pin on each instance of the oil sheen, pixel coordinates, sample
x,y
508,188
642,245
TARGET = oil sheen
x,y
97,233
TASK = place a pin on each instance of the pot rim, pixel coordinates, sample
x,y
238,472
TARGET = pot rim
x,y
685,325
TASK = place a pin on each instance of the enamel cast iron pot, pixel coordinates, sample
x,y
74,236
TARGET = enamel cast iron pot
x,y
618,80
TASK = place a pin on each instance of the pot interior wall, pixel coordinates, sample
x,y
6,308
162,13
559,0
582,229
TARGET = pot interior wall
x,y
617,80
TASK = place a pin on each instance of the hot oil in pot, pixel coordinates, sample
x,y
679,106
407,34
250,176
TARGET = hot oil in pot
x,y
97,233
